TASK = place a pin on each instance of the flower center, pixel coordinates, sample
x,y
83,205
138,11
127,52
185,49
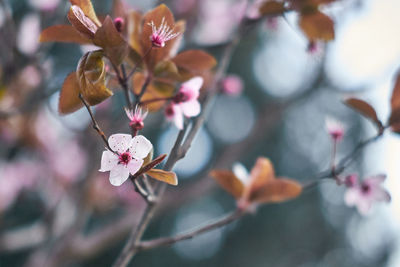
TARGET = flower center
x,y
169,111
124,158
365,188
157,41
181,97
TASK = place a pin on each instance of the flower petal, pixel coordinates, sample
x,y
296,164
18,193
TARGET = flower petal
x,y
191,108
380,194
177,117
120,142
108,161
241,172
134,165
140,147
194,84
352,196
119,175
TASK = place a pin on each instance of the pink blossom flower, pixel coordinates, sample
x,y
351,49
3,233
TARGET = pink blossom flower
x,y
364,194
161,34
334,128
119,23
128,156
136,118
185,102
232,85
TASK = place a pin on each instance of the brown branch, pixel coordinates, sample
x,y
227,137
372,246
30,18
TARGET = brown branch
x,y
166,241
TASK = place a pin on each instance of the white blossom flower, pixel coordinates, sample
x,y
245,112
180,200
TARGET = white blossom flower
x,y
128,156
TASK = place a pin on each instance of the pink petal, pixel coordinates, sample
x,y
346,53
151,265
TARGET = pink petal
x,y
134,165
108,161
178,118
120,142
352,196
380,194
364,207
191,109
375,180
140,147
118,175
193,84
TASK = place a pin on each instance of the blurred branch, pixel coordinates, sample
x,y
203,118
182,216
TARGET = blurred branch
x,y
166,241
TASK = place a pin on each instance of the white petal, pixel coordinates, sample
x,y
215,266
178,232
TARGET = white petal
x,y
352,196
108,161
194,84
241,172
191,108
178,118
140,147
364,207
120,142
134,165
380,194
119,175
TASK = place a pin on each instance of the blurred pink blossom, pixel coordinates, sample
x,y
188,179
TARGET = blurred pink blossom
x,y
128,156
232,85
334,128
44,5
185,102
364,194
29,30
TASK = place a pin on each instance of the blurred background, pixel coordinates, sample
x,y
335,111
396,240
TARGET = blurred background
x,y
50,186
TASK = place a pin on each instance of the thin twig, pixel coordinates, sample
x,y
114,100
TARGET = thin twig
x,y
146,83
95,124
166,241
139,62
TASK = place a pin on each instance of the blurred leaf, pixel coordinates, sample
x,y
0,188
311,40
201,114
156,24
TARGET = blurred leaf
x,y
317,26
63,33
261,174
91,77
81,22
394,119
364,109
271,8
163,176
166,69
108,38
69,96
278,190
134,27
87,8
195,60
156,89
229,182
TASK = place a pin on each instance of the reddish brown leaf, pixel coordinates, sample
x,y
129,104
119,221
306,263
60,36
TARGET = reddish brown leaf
x,y
195,60
134,29
395,104
272,8
91,78
63,33
163,176
69,100
278,190
108,38
229,182
317,26
363,108
87,8
166,69
81,22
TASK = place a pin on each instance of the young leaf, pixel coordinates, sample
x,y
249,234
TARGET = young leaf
x,y
163,176
81,22
63,33
166,69
108,38
261,174
134,28
278,190
88,10
229,182
272,8
364,108
69,100
91,76
317,26
195,60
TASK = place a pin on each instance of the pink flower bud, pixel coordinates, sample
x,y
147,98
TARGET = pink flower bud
x,y
119,23
334,128
232,85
